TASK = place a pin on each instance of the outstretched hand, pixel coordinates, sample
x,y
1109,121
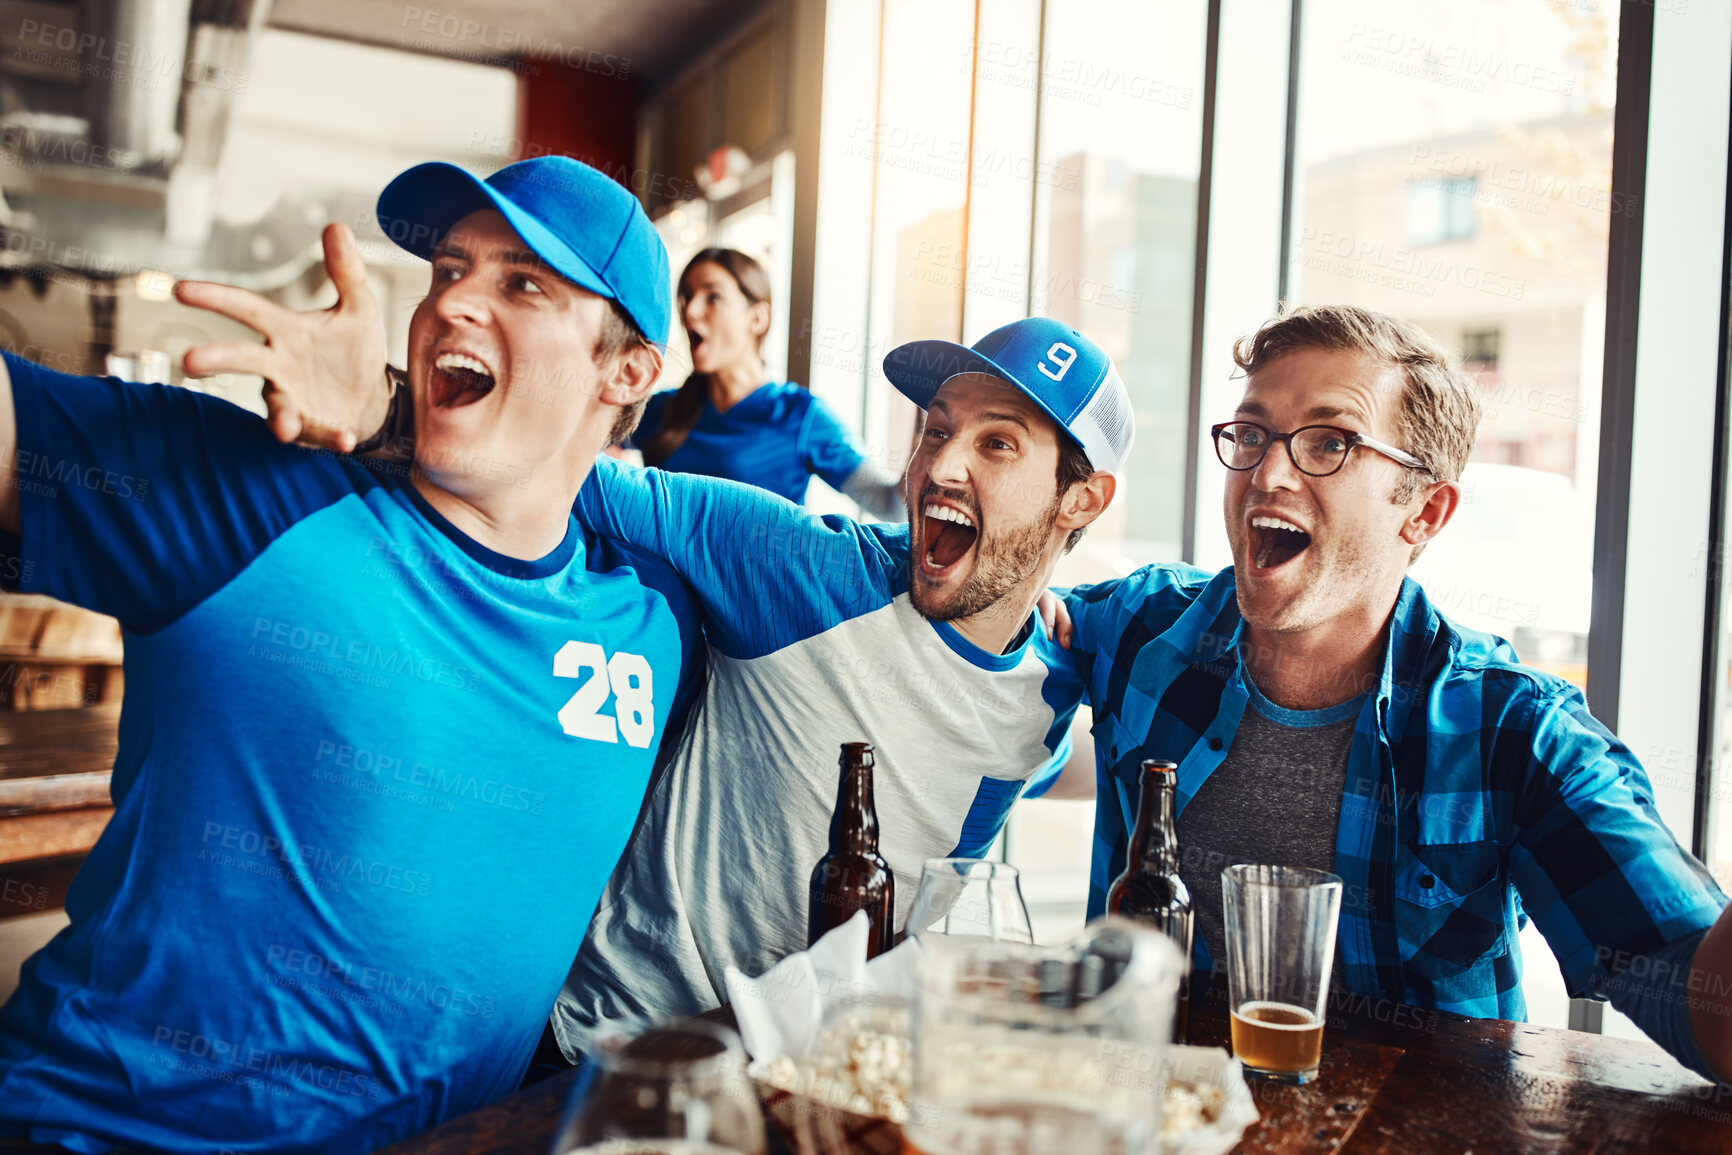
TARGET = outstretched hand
x,y
324,371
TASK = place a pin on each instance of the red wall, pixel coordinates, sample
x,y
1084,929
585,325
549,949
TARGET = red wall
x,y
584,107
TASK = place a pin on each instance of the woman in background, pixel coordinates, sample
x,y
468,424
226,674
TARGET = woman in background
x,y
727,421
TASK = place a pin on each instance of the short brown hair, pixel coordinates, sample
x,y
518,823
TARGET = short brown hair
x,y
619,334
1073,466
1440,404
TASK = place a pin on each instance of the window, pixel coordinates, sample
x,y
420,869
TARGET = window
x,y
1479,349
1115,239
997,169
1115,215
1708,562
1717,820
1453,168
920,147
1440,210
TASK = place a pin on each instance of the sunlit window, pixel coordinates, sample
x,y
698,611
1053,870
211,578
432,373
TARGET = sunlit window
x,y
1115,253
1454,169
1115,239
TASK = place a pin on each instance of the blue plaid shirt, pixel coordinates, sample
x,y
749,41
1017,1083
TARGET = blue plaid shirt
x,y
1479,792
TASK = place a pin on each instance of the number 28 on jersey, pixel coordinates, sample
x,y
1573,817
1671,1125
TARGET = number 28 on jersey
x,y
626,676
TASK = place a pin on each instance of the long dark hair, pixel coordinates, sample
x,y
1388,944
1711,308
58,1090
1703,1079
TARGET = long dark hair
x,y
682,410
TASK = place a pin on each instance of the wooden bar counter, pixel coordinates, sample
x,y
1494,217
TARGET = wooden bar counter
x,y
1395,1080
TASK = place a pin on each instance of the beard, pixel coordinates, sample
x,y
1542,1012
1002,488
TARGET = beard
x,y
1001,563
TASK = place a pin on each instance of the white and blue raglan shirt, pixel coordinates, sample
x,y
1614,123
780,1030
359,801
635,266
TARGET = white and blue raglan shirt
x,y
813,642
372,778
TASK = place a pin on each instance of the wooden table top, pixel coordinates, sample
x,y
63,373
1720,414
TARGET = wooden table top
x,y
1395,1080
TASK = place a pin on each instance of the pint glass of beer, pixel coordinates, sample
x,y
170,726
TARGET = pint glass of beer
x,y
1280,925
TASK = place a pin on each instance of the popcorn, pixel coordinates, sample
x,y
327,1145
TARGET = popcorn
x,y
1190,1108
855,1069
869,1072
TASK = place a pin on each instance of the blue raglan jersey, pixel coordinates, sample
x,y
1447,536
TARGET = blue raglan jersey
x,y
813,642
778,438
355,748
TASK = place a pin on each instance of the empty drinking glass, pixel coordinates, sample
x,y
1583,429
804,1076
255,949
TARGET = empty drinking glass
x,y
1057,1050
970,896
679,1090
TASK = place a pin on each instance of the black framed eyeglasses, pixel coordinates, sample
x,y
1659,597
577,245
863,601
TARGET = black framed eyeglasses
x,y
1315,450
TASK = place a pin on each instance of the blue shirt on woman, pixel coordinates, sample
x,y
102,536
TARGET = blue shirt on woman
x,y
775,438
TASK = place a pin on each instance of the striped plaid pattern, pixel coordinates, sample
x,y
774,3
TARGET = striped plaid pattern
x,y
1479,793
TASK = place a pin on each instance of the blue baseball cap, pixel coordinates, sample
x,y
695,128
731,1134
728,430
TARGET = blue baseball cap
x,y
1060,370
584,224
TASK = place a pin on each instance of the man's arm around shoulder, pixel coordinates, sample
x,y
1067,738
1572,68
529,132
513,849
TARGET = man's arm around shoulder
x,y
1101,611
742,548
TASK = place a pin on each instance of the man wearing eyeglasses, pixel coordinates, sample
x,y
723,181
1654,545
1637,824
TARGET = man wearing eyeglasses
x,y
1324,713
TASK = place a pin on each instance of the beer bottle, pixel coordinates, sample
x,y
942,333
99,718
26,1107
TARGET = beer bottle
x,y
853,875
1150,890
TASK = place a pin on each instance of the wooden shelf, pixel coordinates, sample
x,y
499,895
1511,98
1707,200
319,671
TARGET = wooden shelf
x,y
54,783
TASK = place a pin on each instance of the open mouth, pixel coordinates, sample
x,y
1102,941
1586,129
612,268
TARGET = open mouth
x,y
693,340
458,380
1276,541
948,533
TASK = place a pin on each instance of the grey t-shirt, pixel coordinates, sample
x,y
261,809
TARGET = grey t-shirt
x,y
1275,798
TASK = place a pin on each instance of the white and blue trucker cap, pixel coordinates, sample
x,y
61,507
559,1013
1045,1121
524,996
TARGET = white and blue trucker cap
x,y
1061,370
587,226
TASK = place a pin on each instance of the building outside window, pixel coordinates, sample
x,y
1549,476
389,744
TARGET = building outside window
x,y
1454,168
1440,210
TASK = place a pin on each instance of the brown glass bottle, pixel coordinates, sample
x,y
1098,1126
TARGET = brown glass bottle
x,y
1150,890
853,875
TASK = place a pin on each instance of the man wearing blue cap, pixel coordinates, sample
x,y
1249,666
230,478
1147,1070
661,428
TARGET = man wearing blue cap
x,y
364,708
920,639
823,631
